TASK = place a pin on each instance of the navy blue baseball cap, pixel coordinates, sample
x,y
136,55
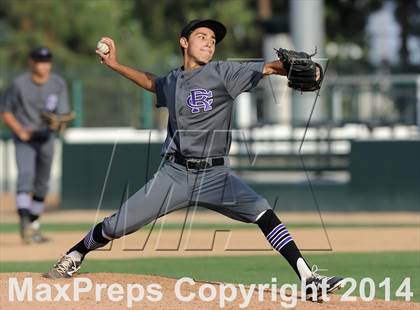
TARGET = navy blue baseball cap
x,y
41,54
218,28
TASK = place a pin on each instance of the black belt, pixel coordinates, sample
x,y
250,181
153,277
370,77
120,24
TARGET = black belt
x,y
196,163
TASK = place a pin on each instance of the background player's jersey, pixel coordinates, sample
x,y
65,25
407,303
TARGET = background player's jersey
x,y
200,103
26,99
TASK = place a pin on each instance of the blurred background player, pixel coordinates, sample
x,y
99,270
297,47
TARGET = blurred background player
x,y
22,106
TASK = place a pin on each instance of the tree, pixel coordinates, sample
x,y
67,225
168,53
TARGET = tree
x,y
407,14
164,20
71,29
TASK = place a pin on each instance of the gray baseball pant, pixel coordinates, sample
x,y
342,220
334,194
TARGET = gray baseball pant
x,y
34,160
173,187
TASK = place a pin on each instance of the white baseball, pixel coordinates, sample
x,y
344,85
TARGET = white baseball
x,y
102,47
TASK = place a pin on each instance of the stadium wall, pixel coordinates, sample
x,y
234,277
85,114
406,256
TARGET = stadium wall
x,y
385,175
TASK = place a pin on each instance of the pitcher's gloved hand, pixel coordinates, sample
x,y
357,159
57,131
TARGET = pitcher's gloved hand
x,y
302,72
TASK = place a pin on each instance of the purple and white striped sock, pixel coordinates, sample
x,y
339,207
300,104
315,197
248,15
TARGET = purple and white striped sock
x,y
281,240
279,237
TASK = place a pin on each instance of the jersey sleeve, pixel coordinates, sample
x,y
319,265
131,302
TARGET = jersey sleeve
x,y
160,92
240,77
63,100
8,98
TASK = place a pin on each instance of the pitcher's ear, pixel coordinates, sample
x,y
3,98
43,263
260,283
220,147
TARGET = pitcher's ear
x,y
183,42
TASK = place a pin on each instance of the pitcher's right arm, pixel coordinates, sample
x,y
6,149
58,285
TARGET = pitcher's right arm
x,y
144,79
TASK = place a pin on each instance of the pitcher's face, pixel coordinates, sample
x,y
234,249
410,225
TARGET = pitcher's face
x,y
201,45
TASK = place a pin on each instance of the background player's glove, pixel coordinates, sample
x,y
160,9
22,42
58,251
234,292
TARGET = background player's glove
x,y
57,122
301,70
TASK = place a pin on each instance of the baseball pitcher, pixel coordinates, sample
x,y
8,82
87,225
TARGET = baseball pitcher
x,y
199,96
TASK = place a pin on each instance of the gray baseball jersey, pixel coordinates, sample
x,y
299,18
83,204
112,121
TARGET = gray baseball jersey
x,y
200,104
26,100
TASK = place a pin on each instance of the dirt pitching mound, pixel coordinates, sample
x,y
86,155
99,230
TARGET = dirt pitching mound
x,y
125,291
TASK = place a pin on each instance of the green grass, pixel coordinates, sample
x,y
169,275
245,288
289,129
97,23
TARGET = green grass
x,y
57,227
258,269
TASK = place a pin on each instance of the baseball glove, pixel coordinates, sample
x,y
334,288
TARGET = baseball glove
x,y
301,70
57,122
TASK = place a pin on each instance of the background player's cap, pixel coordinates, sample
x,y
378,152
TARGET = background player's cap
x,y
218,28
41,54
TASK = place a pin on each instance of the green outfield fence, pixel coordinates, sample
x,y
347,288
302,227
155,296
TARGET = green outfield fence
x,y
384,175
